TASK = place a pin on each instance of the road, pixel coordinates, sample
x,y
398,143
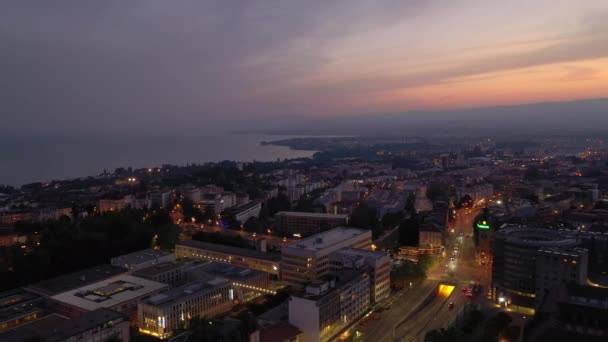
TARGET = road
x,y
418,310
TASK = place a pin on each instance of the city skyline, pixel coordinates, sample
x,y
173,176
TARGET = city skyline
x,y
148,66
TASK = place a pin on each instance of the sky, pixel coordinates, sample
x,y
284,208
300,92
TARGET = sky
x,y
142,66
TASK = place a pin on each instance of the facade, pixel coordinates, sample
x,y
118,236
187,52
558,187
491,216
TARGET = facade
x,y
192,249
244,212
328,308
514,269
377,263
246,283
142,259
121,293
559,266
309,259
98,325
161,314
289,223
106,205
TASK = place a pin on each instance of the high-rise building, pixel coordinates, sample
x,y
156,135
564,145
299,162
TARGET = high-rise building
x,y
309,259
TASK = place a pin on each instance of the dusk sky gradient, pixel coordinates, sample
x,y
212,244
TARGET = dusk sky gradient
x,y
148,65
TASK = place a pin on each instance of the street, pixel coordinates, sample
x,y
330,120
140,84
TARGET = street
x,y
415,311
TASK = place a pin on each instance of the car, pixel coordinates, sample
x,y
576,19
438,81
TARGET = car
x,y
451,306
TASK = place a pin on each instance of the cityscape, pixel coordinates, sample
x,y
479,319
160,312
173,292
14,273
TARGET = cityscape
x,y
281,172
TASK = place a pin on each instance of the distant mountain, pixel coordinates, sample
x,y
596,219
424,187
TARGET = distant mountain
x,y
568,118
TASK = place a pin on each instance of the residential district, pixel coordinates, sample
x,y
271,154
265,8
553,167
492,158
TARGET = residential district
x,y
383,240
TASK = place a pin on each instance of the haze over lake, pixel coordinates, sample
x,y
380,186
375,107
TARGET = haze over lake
x,y
32,159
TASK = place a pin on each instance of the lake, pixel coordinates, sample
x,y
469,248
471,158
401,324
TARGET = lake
x,y
31,159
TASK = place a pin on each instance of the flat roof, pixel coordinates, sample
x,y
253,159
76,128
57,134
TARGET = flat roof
x,y
230,272
250,253
175,294
363,252
59,328
163,267
109,292
328,238
139,257
76,279
312,215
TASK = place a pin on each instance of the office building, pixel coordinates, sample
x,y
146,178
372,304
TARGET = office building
x,y
289,223
514,270
328,308
309,259
248,258
142,259
377,263
557,266
121,293
246,283
98,325
161,314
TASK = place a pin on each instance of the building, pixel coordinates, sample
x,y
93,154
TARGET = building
x,y
377,263
115,204
9,237
557,266
280,332
514,269
98,325
18,307
200,250
308,260
246,283
121,293
142,259
161,314
75,280
161,199
578,314
244,212
174,273
328,308
290,223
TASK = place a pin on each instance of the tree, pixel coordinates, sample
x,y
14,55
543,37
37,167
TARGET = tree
x,y
409,231
363,216
436,191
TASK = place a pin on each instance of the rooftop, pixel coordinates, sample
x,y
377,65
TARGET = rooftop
x,y
58,328
162,268
328,238
363,253
71,281
230,272
536,237
250,253
139,257
109,293
179,292
315,215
